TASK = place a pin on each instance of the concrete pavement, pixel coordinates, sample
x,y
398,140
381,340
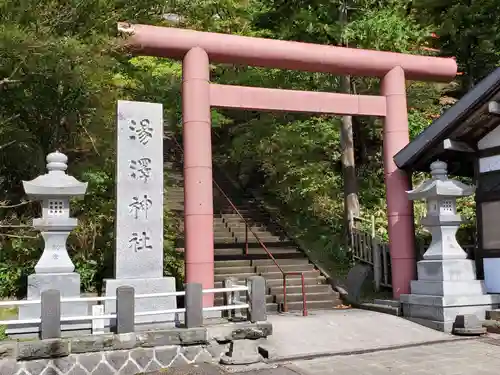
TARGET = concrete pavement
x,y
359,342
343,331
347,342
451,358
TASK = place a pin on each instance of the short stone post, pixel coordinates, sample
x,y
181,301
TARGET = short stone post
x,y
256,298
55,270
194,305
50,327
377,263
125,309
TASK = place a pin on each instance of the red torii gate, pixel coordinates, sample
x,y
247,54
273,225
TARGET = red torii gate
x,y
198,49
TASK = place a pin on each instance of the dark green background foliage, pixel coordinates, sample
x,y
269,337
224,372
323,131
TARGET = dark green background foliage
x,y
62,68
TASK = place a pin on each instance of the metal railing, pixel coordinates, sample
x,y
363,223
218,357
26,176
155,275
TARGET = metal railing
x,y
284,273
366,247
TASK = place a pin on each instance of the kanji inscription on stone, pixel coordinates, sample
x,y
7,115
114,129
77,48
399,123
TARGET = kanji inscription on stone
x,y
140,241
142,131
139,208
140,169
140,205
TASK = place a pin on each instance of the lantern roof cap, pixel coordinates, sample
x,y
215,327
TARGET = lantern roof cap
x,y
440,185
55,183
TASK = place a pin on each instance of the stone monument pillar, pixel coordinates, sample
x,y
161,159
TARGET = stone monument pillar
x,y
139,210
54,270
447,284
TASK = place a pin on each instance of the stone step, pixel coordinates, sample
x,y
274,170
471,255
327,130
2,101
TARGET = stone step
x,y
219,284
241,276
174,196
264,239
273,251
262,236
255,251
222,234
294,297
271,307
387,302
290,282
224,240
235,218
493,314
270,262
219,300
297,289
228,252
233,270
285,267
245,212
221,226
232,263
240,231
386,309
279,275
240,226
314,305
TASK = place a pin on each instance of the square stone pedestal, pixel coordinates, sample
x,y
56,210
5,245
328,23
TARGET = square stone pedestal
x,y
68,285
146,286
445,289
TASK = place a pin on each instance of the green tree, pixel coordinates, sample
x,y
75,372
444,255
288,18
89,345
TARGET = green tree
x,y
60,68
467,30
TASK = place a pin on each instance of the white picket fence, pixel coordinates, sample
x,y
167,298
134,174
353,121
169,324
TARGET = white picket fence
x,y
99,317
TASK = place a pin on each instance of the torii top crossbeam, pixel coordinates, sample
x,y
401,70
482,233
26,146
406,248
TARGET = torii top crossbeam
x,y
234,49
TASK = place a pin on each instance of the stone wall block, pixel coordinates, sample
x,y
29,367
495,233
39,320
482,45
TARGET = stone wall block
x,y
103,369
42,349
9,366
116,359
90,361
165,356
142,357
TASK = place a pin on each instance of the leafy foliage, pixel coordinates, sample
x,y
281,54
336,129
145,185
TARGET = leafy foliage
x,y
59,74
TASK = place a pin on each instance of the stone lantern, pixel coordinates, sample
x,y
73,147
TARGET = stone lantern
x,y
54,270
447,284
442,219
54,190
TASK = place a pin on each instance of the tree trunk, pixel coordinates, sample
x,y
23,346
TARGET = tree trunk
x,y
351,201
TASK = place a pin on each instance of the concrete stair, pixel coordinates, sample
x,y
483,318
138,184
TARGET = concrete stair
x,y
231,259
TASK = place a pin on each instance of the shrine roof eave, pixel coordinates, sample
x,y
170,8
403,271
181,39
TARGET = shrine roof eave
x,y
465,123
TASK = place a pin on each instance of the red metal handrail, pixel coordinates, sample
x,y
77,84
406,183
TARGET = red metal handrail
x,y
247,228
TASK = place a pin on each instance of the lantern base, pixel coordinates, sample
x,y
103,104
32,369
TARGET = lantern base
x,y
445,289
68,284
439,312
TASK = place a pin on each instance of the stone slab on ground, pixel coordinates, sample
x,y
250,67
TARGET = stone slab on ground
x,y
343,331
196,369
470,357
209,369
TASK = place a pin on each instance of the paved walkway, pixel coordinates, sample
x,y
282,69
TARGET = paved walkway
x,y
360,342
451,358
344,331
